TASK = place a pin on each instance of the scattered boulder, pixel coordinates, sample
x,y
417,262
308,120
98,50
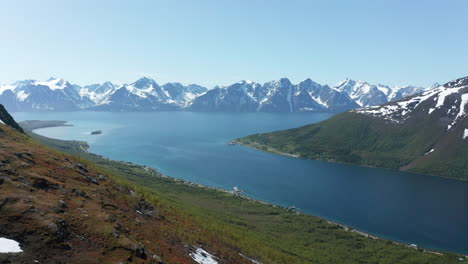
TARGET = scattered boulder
x,y
27,157
144,208
62,204
43,184
157,259
140,252
81,167
110,219
60,229
61,207
117,230
91,180
80,193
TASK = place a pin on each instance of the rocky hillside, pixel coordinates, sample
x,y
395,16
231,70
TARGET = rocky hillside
x,y
245,96
62,210
425,133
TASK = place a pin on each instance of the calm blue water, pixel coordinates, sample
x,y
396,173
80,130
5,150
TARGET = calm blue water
x,y
429,211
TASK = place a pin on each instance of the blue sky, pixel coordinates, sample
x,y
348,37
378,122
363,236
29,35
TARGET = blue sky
x,y
220,42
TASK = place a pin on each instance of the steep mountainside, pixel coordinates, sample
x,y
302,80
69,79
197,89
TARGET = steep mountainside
x,y
245,96
7,119
65,209
426,133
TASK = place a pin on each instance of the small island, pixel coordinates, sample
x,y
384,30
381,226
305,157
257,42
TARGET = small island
x,y
96,132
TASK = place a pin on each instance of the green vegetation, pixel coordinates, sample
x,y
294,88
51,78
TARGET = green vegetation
x,y
369,141
264,232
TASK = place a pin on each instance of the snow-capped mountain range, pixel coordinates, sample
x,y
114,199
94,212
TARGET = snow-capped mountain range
x,y
245,96
448,102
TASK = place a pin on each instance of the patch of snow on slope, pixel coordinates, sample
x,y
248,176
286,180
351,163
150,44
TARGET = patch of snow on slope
x,y
140,92
442,95
201,256
461,113
430,151
318,100
53,84
9,246
384,89
465,133
463,104
22,95
288,98
1,122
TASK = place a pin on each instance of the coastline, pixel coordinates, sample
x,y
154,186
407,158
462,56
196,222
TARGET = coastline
x,y
297,156
39,124
155,173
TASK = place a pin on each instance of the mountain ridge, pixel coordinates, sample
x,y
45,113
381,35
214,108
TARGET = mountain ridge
x,y
146,94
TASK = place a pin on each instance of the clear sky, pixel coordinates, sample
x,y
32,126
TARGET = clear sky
x,y
219,42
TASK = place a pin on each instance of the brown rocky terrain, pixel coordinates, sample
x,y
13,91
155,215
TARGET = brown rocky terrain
x,y
62,210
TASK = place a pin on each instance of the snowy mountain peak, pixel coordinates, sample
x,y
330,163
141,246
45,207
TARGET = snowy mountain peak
x,y
345,85
144,83
435,85
285,81
457,83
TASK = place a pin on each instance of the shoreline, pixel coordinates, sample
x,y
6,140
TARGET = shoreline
x,y
156,173
236,142
40,124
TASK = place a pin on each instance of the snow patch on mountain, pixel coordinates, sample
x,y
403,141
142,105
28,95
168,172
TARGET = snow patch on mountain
x,y
22,95
201,256
434,99
9,246
462,111
429,152
465,133
53,84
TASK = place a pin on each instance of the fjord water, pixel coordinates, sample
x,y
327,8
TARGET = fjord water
x,y
429,211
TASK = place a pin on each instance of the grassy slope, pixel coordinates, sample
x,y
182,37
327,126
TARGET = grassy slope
x,y
365,140
264,232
